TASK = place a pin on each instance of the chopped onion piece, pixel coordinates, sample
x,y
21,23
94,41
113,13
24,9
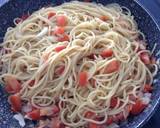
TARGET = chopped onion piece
x,y
27,108
27,117
147,95
52,38
141,46
146,100
19,117
43,32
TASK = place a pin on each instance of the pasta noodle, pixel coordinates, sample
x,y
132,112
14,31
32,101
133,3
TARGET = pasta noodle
x,y
49,66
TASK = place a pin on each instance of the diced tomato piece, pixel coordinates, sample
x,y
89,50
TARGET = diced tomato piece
x,y
148,88
93,125
145,58
59,48
8,89
132,97
59,70
62,38
55,123
31,82
138,107
55,109
113,66
104,18
107,53
129,108
115,119
120,116
61,20
18,20
25,16
58,30
83,78
15,102
89,114
91,56
109,120
12,84
51,14
113,102
34,115
93,83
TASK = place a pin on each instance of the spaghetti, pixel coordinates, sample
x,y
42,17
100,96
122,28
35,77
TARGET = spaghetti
x,y
85,60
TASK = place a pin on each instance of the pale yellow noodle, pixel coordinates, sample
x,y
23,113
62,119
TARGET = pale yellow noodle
x,y
88,35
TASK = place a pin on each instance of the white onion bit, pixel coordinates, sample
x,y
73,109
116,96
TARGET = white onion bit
x,y
52,38
27,108
147,95
42,33
20,119
27,117
146,100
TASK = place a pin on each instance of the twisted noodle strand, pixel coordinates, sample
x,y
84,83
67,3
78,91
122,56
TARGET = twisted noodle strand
x,y
88,35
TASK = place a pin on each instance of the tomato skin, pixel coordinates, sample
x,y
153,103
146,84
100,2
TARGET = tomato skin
x,y
138,107
104,18
120,116
109,120
9,89
93,83
25,16
59,48
83,78
12,85
18,21
55,109
34,115
51,14
31,83
91,56
129,108
106,53
64,37
61,20
148,88
113,102
132,97
59,30
22,18
55,123
113,66
145,58
93,125
15,102
59,70
89,114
